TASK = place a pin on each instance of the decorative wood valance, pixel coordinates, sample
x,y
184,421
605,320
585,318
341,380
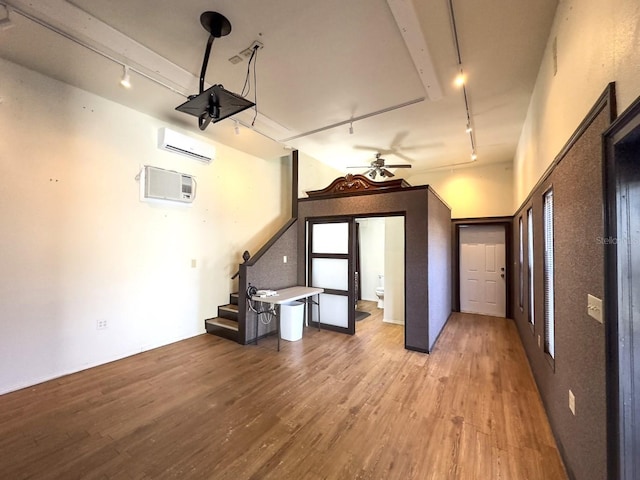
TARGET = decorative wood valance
x,y
355,184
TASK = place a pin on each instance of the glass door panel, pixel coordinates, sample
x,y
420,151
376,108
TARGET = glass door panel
x,y
330,273
330,238
334,310
330,266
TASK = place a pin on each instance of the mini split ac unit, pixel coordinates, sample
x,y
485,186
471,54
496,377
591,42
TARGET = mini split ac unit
x,y
159,184
175,142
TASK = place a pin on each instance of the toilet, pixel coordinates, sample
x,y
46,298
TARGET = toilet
x,y
380,291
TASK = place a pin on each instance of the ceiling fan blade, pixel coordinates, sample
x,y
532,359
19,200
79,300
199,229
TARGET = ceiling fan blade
x,y
403,157
398,139
386,173
359,166
381,151
398,166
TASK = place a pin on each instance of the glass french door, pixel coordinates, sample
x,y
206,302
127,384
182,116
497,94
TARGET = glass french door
x,y
330,265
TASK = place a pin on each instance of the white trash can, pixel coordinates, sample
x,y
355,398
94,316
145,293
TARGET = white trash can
x,y
291,320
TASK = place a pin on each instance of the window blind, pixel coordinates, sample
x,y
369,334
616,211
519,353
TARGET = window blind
x,y
549,318
532,319
521,265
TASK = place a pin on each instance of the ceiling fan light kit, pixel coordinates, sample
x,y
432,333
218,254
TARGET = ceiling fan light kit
x,y
216,103
378,166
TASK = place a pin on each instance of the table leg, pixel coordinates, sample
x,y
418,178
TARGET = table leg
x,y
278,324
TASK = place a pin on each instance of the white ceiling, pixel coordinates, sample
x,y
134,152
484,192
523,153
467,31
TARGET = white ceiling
x,y
323,63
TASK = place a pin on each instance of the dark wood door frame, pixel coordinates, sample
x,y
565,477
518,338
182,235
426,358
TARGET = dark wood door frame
x,y
350,293
622,148
455,256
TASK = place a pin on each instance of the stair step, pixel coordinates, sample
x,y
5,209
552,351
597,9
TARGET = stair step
x,y
233,299
228,311
222,327
223,323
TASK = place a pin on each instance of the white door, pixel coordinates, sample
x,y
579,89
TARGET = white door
x,y
483,287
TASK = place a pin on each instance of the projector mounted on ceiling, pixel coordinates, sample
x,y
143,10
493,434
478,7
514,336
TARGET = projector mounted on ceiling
x,y
215,103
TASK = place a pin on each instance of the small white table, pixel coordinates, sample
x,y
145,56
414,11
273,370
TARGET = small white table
x,y
287,295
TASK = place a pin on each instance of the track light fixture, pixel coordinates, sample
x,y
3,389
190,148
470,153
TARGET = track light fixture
x,y
6,23
126,79
461,81
236,127
351,128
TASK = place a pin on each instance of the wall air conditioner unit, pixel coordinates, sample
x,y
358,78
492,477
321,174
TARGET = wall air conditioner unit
x,y
159,184
190,147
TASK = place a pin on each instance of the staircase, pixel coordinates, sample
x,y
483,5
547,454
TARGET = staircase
x,y
226,323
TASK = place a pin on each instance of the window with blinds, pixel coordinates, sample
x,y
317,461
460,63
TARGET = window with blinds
x,y
532,319
549,318
521,265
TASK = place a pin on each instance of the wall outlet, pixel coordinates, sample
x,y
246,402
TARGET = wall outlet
x,y
284,259
572,402
101,324
594,307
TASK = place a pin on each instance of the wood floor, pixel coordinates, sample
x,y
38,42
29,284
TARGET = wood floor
x,y
330,406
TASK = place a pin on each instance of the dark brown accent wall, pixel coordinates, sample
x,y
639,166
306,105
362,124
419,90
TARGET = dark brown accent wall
x,y
267,270
579,366
420,327
439,266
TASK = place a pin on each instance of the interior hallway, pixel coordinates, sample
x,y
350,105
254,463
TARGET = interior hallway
x,y
331,406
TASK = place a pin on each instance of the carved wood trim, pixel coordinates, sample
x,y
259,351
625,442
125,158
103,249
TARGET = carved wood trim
x,y
355,184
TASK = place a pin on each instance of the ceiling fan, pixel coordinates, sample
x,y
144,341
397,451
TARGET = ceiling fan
x,y
378,167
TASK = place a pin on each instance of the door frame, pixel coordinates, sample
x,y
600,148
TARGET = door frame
x,y
350,257
622,129
352,248
456,224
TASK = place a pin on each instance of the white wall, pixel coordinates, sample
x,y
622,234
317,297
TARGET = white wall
x,y
597,42
478,191
394,270
314,175
78,246
372,254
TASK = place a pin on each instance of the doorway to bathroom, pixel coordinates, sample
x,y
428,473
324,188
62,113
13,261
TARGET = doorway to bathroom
x,y
379,279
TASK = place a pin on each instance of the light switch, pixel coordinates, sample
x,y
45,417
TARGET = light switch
x,y
594,308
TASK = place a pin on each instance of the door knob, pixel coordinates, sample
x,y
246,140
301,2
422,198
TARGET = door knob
x,y
502,275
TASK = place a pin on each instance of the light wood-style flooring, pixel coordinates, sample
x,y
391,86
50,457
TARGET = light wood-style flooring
x,y
330,406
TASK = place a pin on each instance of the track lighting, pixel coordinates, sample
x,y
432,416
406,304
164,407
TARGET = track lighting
x,y
6,23
126,79
469,129
460,79
474,157
351,128
236,128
